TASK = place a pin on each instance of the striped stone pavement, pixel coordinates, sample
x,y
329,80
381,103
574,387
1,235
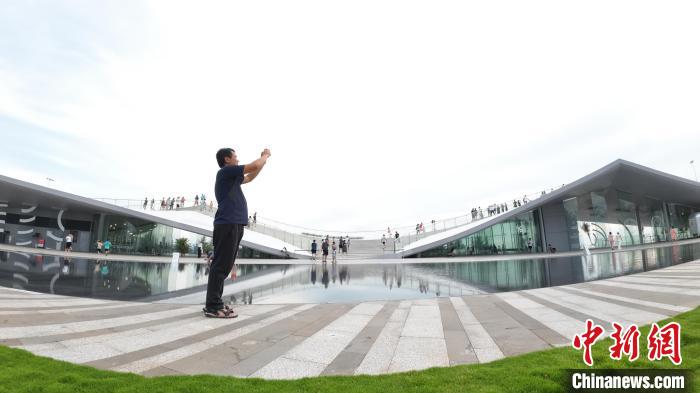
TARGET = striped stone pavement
x,y
305,340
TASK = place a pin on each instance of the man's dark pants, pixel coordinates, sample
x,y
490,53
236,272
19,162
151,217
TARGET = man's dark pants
x,y
227,237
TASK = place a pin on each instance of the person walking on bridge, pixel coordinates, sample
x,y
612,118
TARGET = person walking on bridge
x,y
231,216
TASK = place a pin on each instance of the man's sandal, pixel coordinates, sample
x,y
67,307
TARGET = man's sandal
x,y
223,313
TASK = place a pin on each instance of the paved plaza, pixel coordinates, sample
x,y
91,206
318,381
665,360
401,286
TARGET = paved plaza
x,y
305,340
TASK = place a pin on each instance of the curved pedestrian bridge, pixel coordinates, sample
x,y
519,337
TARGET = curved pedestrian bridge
x,y
299,339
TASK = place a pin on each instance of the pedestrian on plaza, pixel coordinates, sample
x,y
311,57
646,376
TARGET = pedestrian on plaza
x,y
99,246
334,251
107,246
145,203
396,236
314,247
618,241
324,250
230,218
153,201
347,242
383,242
182,202
69,242
611,240
196,200
529,244
162,204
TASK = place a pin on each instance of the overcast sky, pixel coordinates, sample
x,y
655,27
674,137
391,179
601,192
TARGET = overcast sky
x,y
376,112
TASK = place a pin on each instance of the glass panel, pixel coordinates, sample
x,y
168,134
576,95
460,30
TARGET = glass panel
x,y
508,237
627,217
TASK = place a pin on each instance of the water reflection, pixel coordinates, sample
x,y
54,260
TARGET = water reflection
x,y
325,282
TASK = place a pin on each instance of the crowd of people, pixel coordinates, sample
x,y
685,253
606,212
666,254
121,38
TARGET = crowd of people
x,y
178,202
329,246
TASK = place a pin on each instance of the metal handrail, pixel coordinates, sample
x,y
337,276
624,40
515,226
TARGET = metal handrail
x,y
289,233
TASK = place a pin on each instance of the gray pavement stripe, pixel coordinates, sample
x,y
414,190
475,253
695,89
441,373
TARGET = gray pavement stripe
x,y
314,354
573,313
459,349
350,358
510,336
661,308
89,349
551,326
484,346
422,342
56,310
378,359
163,358
603,310
655,288
39,303
58,317
652,281
257,349
78,327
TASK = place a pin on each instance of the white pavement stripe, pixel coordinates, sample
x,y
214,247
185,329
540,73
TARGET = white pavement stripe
x,y
26,243
71,310
691,282
603,310
314,354
422,342
664,306
423,321
484,346
27,220
193,349
27,303
84,326
648,288
378,359
26,232
87,349
561,323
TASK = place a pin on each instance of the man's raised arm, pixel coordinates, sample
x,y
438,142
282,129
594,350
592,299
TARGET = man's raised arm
x,y
252,170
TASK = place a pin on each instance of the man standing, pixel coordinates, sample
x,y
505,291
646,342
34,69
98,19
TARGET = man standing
x,y
231,216
324,250
314,247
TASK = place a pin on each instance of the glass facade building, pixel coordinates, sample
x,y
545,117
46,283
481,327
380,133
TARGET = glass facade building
x,y
511,236
37,226
587,219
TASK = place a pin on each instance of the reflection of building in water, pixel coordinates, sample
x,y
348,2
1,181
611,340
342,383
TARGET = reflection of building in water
x,y
102,279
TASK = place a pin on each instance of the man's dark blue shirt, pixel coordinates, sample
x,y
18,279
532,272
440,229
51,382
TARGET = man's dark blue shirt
x,y
233,208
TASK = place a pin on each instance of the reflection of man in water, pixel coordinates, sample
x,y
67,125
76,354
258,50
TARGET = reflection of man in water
x,y
324,277
313,274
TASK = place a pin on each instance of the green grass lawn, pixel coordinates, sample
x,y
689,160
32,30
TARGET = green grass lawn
x,y
543,371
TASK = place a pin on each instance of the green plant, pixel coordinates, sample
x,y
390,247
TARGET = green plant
x,y
182,245
207,246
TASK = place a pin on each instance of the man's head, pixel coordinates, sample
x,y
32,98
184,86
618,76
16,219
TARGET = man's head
x,y
226,156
